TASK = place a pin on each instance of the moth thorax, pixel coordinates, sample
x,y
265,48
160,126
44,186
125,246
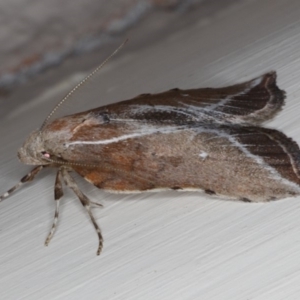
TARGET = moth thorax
x,y
30,152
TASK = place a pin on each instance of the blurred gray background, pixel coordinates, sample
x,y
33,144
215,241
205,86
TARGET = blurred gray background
x,y
44,42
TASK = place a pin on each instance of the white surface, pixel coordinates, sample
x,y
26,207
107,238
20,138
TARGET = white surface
x,y
162,245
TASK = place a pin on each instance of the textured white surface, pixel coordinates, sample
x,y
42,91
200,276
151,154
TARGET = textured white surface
x,y
162,245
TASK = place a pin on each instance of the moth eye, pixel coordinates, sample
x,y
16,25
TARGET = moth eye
x,y
45,154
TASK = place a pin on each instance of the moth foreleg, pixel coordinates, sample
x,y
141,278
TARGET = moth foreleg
x,y
70,182
96,204
29,177
58,193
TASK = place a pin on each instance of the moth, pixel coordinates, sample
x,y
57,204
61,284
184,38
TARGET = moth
x,y
207,139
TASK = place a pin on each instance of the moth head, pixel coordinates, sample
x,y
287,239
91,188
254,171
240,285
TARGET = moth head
x,y
32,152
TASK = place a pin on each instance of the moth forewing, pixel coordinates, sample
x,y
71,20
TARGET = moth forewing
x,y
204,139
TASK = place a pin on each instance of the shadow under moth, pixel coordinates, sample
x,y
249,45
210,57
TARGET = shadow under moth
x,y
206,139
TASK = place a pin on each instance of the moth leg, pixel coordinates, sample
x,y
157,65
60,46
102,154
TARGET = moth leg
x,y
96,204
29,177
70,182
58,193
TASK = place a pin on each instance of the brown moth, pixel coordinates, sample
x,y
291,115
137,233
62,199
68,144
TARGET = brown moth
x,y
199,139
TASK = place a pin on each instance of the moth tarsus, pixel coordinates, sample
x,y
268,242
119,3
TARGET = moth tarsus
x,y
204,139
86,203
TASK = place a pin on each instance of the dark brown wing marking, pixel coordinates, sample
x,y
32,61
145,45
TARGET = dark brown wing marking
x,y
254,101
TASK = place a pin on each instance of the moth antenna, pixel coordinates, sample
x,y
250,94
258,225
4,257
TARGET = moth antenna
x,y
81,83
79,164
70,164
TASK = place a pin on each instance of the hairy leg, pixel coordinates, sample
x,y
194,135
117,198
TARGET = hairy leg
x,y
70,182
29,177
58,193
